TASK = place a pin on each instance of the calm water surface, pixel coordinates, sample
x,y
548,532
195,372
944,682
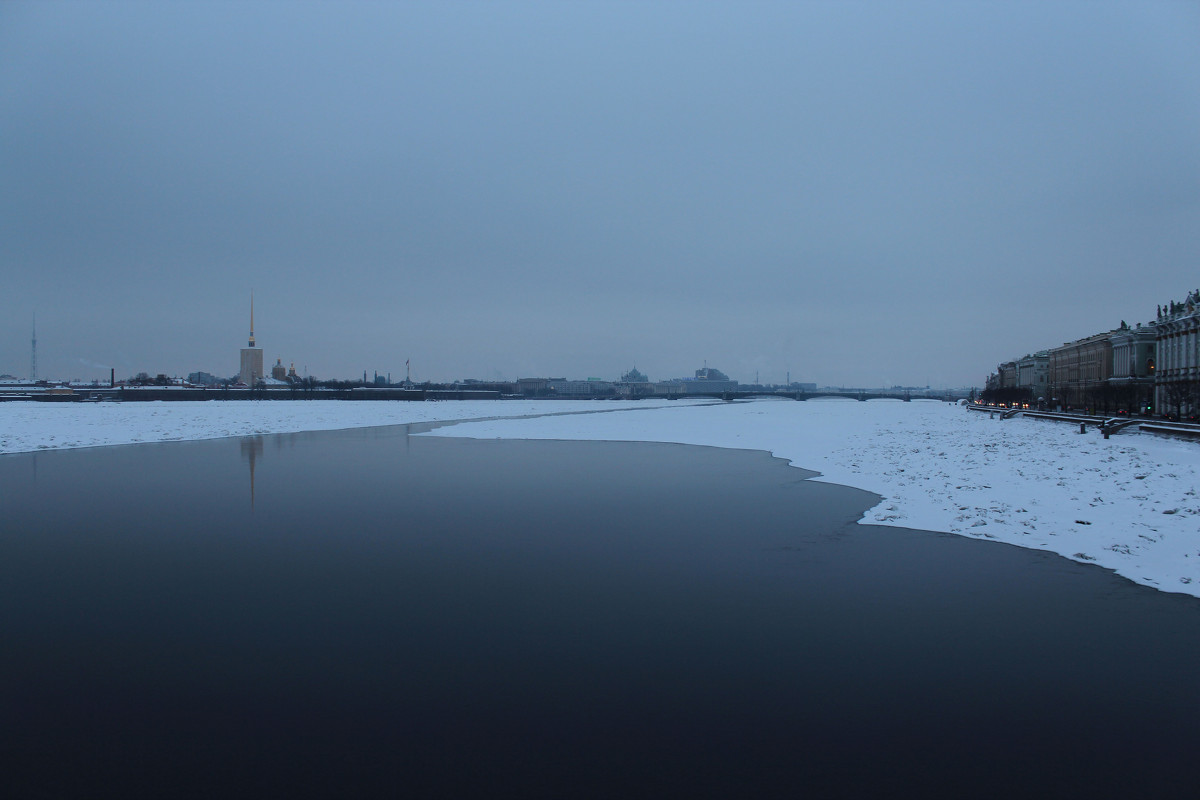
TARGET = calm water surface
x,y
368,612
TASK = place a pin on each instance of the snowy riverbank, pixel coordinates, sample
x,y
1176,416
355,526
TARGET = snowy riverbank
x,y
1128,503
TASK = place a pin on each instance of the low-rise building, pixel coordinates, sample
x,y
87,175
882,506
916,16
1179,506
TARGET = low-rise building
x,y
593,387
532,387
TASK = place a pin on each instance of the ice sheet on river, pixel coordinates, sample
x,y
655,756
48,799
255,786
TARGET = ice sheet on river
x,y
31,426
1128,503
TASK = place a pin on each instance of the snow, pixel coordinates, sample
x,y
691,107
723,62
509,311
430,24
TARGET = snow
x,y
1128,503
29,426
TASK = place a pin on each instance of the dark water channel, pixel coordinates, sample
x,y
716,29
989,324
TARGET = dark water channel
x,y
366,612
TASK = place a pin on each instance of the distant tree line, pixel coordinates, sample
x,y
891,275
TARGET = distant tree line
x,y
1008,395
144,379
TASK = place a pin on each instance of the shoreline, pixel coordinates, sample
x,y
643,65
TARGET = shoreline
x,y
1128,504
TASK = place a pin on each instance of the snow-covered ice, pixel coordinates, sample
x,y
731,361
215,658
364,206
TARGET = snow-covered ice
x,y
1128,503
29,426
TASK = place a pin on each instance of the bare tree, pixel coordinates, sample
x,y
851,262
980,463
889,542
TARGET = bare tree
x,y
1177,394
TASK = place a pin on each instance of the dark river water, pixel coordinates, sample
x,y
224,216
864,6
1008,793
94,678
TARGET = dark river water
x,y
365,612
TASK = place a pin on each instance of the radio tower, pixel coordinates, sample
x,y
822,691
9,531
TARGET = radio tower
x,y
33,355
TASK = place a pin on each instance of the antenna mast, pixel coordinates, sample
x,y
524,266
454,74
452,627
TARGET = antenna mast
x,y
33,376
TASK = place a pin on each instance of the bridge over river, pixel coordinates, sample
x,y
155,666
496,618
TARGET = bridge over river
x,y
862,395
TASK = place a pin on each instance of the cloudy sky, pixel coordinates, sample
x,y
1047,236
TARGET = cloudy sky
x,y
858,193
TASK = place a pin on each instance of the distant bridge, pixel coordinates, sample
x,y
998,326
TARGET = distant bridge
x,y
739,394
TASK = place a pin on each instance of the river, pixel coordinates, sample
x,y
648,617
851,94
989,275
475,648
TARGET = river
x,y
365,611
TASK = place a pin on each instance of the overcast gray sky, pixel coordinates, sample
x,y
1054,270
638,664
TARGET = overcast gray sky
x,y
858,193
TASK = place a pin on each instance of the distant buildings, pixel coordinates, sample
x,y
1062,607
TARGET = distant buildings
x,y
532,387
633,376
204,379
707,381
252,372
1140,369
592,387
707,373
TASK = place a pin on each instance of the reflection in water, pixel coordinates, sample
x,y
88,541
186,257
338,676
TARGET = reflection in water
x,y
555,619
252,448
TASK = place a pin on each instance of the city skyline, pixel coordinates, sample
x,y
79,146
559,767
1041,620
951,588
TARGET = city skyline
x,y
855,195
254,366
252,359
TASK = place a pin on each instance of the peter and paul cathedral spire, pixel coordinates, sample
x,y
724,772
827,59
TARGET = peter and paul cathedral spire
x,y
252,357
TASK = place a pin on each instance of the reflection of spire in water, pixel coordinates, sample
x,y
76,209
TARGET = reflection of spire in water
x,y
252,447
